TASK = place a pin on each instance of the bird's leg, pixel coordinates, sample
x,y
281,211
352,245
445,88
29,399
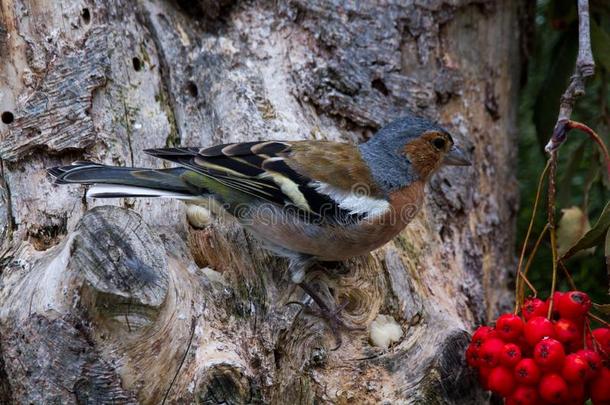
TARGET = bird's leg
x,y
332,314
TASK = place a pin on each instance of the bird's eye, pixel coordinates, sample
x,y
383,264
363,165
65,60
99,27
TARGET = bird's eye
x,y
439,143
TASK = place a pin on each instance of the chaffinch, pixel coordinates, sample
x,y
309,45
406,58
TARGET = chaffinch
x,y
306,200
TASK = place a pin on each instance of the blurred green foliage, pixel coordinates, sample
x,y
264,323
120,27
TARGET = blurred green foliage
x,y
581,180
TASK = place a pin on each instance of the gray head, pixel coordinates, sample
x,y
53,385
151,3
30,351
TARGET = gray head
x,y
409,149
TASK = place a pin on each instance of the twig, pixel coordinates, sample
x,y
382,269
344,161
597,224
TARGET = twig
x,y
584,62
585,67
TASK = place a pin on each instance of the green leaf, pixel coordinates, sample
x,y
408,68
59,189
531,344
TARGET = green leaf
x,y
595,236
600,44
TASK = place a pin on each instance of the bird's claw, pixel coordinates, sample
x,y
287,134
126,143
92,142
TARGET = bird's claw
x,y
331,315
336,322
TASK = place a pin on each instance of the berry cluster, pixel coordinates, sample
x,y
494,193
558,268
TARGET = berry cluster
x,y
534,360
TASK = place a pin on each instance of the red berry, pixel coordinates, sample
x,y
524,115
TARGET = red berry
x,y
549,354
509,327
537,328
489,353
575,368
600,388
594,362
553,389
472,356
574,346
523,395
484,377
556,297
577,394
573,305
534,307
501,381
482,334
602,337
527,372
510,355
526,348
567,331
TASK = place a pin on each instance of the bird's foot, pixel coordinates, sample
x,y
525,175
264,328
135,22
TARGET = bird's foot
x,y
331,315
336,322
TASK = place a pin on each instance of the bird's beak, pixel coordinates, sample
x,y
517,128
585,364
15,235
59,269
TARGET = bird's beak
x,y
456,157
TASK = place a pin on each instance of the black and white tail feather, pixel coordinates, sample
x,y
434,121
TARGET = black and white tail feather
x,y
118,182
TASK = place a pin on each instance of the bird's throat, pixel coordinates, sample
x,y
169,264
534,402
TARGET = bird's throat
x,y
406,202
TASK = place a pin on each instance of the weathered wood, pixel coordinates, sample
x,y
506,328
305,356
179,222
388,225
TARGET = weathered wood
x,y
65,93
48,351
124,269
129,303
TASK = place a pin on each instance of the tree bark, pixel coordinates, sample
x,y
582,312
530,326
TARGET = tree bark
x,y
124,301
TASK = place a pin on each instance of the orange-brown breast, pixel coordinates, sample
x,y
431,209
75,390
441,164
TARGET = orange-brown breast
x,y
406,202
376,232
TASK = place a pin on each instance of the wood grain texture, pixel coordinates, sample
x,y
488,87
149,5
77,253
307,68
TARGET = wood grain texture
x,y
58,109
122,301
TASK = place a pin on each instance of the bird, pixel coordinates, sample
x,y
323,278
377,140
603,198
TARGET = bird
x,y
309,201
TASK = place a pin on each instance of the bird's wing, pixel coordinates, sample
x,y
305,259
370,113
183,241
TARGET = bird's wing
x,y
323,183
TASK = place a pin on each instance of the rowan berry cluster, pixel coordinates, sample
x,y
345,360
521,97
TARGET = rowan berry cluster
x,y
531,359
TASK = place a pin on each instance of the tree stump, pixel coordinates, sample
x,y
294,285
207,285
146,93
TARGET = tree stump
x,y
127,301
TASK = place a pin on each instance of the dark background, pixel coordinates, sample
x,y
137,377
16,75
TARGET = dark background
x,y
581,179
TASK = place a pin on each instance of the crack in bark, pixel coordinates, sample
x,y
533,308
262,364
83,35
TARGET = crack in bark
x,y
164,70
10,220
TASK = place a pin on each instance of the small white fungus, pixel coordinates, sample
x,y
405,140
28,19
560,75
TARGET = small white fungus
x,y
198,216
385,331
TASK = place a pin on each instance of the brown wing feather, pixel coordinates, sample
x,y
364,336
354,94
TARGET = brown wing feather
x,y
337,164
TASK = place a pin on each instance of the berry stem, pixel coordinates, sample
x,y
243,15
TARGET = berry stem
x,y
551,222
586,328
533,254
598,319
596,138
529,284
521,278
594,343
568,276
